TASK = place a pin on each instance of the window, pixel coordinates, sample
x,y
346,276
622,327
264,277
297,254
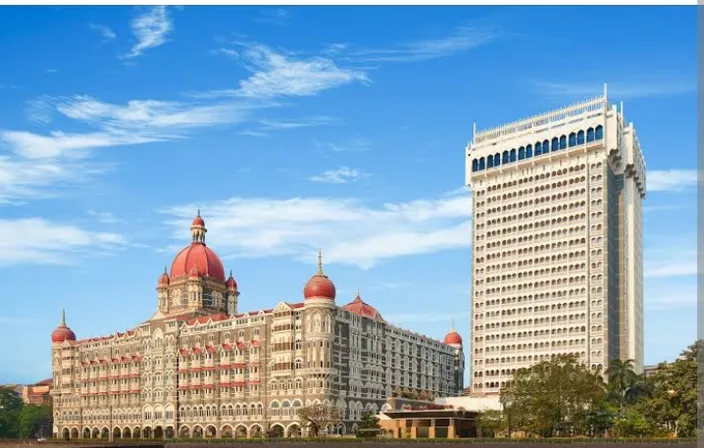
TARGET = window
x,y
538,149
555,144
580,137
599,132
563,142
529,151
590,135
521,153
490,162
573,139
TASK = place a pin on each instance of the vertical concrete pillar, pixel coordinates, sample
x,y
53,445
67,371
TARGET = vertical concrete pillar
x,y
451,429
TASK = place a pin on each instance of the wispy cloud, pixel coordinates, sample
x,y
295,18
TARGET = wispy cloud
x,y
105,217
462,39
340,175
273,16
348,230
106,33
277,74
32,164
671,180
267,126
352,145
669,296
150,30
39,110
626,90
671,256
45,242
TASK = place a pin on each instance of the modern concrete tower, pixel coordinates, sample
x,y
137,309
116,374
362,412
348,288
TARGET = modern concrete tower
x,y
557,262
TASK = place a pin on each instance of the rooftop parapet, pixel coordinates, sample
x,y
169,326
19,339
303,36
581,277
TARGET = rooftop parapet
x,y
540,122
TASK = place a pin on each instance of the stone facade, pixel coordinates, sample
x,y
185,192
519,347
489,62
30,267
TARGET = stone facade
x,y
557,263
200,368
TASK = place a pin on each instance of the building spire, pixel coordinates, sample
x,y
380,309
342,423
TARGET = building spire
x,y
63,318
452,324
320,262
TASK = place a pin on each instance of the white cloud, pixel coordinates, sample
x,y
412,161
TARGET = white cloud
x,y
462,39
667,296
150,29
671,180
672,256
273,16
150,115
339,176
276,74
105,217
45,242
353,145
269,125
626,90
106,33
349,231
39,110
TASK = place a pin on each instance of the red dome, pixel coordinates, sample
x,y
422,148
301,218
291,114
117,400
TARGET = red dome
x,y
164,279
201,257
198,221
453,338
319,286
231,283
62,332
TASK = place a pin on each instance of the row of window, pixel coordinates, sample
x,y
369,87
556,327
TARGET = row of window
x,y
544,147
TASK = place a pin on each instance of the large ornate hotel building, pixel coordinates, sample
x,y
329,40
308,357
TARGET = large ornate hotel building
x,y
201,368
557,263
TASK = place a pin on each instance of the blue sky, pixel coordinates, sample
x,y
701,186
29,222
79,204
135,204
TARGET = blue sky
x,y
342,128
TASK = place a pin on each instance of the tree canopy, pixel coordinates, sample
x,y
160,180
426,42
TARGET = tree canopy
x,y
318,416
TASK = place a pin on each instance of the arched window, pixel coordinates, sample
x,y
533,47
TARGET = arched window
x,y
512,155
481,163
599,132
529,151
497,159
504,159
563,142
573,139
590,135
490,162
538,149
475,165
580,137
521,153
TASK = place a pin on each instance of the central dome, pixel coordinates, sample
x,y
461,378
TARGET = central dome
x,y
198,255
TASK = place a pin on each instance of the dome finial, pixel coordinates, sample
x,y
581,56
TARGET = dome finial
x,y
63,317
452,324
198,229
320,262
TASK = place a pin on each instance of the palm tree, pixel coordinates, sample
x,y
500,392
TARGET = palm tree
x,y
624,383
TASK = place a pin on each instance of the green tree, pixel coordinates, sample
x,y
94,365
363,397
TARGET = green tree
x,y
10,407
317,416
34,421
492,422
369,421
672,401
553,398
625,386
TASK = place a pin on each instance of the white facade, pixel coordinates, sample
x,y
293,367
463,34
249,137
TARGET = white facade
x,y
557,242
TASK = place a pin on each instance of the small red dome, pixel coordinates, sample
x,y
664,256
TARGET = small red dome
x,y
62,334
319,286
231,283
198,221
453,338
201,257
164,279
